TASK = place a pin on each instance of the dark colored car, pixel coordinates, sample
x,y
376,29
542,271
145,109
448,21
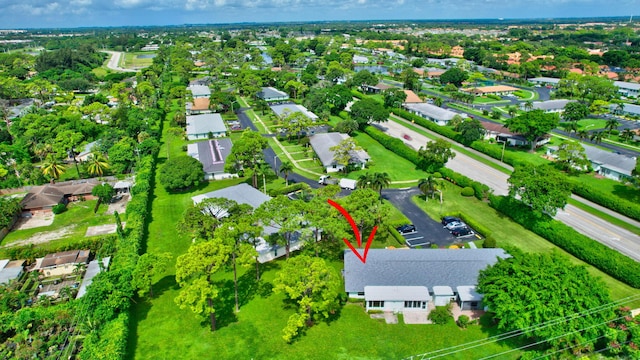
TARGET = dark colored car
x,y
448,219
461,231
406,229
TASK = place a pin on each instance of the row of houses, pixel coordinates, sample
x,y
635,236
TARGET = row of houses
x,y
625,88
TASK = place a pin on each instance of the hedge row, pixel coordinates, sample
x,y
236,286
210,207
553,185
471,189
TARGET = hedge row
x,y
430,125
477,226
289,189
480,191
603,198
396,235
394,145
590,251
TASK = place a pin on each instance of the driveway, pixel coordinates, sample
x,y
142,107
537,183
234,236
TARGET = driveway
x,y
608,234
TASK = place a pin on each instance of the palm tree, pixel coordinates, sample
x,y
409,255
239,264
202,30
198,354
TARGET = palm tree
x,y
380,181
438,101
627,134
582,134
285,169
512,110
365,181
97,164
53,167
571,127
528,105
612,124
428,186
619,108
597,136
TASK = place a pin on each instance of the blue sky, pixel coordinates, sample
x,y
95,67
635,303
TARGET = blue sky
x,y
78,13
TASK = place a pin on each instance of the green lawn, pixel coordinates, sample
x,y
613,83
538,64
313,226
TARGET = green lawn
x,y
526,95
591,124
131,60
613,187
383,160
508,233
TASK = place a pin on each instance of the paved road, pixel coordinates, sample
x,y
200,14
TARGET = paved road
x,y
115,60
613,236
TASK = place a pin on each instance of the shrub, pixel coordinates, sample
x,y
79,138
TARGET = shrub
x,y
59,209
463,321
441,315
392,144
485,112
615,203
396,235
437,175
289,189
467,191
489,242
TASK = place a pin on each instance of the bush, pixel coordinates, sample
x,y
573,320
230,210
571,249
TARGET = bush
x,y
615,203
181,172
289,189
463,321
467,191
485,112
396,235
59,209
441,315
481,191
584,248
392,144
489,242
437,175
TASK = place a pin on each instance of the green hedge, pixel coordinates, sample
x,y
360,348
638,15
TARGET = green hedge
x,y
615,203
428,124
289,189
475,225
395,145
396,235
590,251
481,191
31,252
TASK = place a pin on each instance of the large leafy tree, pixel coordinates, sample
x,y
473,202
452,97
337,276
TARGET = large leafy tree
x,y
202,219
367,111
453,76
247,153
542,187
393,98
471,130
366,210
181,172
285,215
194,271
343,152
533,125
148,266
571,157
314,285
527,290
364,77
435,155
575,111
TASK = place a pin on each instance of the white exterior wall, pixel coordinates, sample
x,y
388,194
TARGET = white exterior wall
x,y
394,306
441,300
205,136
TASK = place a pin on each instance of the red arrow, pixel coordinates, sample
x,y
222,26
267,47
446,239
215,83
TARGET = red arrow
x,y
356,232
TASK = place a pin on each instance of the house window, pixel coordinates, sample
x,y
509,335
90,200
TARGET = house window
x,y
414,304
474,304
376,304
361,293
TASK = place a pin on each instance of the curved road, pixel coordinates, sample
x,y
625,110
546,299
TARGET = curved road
x,y
115,60
613,236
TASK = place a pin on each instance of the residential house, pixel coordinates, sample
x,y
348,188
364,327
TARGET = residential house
x,y
45,197
322,144
359,59
389,275
375,89
199,105
545,81
493,90
625,109
611,165
503,135
412,98
10,270
550,106
468,298
433,113
204,126
212,154
627,89
86,151
198,91
270,94
442,295
457,51
61,263
205,81
283,110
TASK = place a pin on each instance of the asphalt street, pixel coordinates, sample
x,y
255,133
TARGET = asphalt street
x,y
613,236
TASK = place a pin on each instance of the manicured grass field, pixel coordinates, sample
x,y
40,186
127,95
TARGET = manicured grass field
x,y
613,187
508,233
131,60
591,124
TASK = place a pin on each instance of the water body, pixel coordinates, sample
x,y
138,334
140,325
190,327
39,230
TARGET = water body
x,y
146,56
376,69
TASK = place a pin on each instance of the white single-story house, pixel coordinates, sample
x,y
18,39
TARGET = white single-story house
x,y
198,91
375,89
393,274
433,113
442,295
627,88
627,109
396,298
282,110
204,125
359,59
611,165
322,144
212,154
545,81
10,270
491,90
469,298
270,94
86,151
550,106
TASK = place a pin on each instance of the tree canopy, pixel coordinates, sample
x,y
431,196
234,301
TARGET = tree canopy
x,y
181,172
454,76
367,111
533,125
435,155
542,187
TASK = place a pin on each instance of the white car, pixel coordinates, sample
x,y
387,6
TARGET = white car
x,y
454,224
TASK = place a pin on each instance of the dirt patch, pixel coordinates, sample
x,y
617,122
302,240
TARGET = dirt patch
x,y
120,206
102,229
43,237
33,221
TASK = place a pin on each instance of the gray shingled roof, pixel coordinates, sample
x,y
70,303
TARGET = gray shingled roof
x,y
211,153
396,293
432,111
627,85
551,104
621,163
417,267
280,110
10,270
469,293
270,93
205,123
199,90
241,193
627,108
322,144
543,79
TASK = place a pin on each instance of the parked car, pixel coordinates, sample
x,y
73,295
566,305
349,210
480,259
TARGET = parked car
x,y
406,229
448,219
406,137
461,231
454,224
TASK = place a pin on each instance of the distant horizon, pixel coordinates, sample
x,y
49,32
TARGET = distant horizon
x,y
69,14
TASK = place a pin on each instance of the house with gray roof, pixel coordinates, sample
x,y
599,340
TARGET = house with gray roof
x,y
469,298
212,154
10,270
387,270
322,144
627,88
545,80
271,94
203,126
93,269
198,91
625,109
611,165
431,112
283,110
551,106
241,193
